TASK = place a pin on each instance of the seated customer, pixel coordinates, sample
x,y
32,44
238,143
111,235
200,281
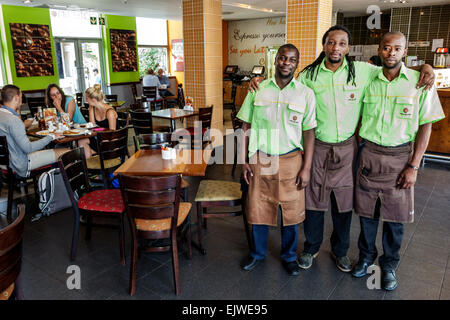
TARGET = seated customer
x,y
151,80
164,80
55,98
24,155
100,113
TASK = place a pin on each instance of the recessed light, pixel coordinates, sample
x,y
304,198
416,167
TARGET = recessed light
x,y
27,1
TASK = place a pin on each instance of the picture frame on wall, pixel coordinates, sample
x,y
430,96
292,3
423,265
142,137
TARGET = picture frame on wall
x,y
123,50
32,49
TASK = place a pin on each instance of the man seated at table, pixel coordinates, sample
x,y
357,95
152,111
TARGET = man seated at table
x,y
24,155
164,80
151,80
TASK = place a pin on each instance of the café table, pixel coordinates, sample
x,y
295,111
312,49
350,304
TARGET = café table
x,y
173,114
188,162
117,104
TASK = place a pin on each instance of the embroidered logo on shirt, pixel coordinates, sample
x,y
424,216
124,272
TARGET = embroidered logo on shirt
x,y
406,111
350,96
293,119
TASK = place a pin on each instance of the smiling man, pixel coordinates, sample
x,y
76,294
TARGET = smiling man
x,y
282,119
396,125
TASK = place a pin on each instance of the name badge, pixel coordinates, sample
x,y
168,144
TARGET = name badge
x,y
350,96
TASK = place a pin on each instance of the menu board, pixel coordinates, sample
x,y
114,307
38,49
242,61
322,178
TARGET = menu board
x,y
123,50
32,49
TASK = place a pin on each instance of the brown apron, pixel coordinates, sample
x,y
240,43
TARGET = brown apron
x,y
332,170
268,191
377,175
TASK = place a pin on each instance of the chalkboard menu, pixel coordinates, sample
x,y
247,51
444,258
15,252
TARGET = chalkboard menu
x,y
32,49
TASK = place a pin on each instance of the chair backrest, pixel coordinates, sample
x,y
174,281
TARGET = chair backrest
x,y
85,113
154,140
4,152
205,116
141,119
79,98
236,122
181,101
147,197
72,165
112,144
123,119
173,86
149,92
34,103
111,98
134,91
11,250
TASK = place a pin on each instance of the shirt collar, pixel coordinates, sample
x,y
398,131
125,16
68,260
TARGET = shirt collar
x,y
293,83
403,72
10,110
343,65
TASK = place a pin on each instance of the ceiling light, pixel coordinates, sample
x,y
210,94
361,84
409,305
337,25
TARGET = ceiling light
x,y
250,7
395,1
27,1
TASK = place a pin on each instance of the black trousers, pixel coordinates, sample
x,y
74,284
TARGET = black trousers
x,y
392,241
313,228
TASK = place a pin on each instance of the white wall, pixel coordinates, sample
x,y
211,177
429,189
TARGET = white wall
x,y
247,40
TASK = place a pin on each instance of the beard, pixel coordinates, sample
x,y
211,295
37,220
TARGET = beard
x,y
282,76
391,66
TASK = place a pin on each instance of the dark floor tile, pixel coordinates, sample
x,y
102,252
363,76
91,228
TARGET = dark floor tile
x,y
106,284
446,282
445,294
427,272
141,294
350,288
433,238
427,254
410,288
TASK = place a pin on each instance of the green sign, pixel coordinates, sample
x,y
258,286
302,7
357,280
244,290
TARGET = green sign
x,y
101,21
93,20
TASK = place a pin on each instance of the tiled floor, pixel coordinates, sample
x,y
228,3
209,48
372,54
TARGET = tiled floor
x,y
423,273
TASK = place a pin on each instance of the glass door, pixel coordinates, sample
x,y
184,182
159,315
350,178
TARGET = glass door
x,y
80,64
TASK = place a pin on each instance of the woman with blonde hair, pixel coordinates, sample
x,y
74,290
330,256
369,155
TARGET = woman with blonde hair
x,y
100,113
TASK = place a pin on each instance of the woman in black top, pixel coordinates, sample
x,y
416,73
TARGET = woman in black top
x,y
100,113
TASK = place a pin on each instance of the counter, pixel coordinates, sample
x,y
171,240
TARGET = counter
x,y
440,134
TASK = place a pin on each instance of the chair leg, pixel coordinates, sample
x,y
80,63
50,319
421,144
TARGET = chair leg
x,y
188,238
11,181
235,160
205,221
185,194
18,288
175,264
76,227
199,227
88,226
122,239
133,268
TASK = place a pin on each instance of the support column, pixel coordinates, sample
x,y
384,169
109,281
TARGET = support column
x,y
202,33
306,22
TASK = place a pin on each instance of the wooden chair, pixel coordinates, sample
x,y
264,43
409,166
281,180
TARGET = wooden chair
x,y
112,148
85,113
79,98
149,94
142,122
34,103
105,203
134,93
111,98
11,257
181,101
229,103
123,119
154,211
12,178
173,90
237,124
156,141
205,116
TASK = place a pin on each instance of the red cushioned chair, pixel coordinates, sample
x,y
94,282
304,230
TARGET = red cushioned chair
x,y
105,203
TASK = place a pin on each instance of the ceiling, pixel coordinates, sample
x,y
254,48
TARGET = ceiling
x,y
171,9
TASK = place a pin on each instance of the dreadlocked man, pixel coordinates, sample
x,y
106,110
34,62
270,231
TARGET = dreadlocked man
x,y
338,84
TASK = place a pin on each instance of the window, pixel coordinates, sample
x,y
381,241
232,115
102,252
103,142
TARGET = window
x,y
152,44
74,24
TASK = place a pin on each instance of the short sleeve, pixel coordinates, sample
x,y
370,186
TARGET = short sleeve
x,y
246,111
309,119
365,69
430,107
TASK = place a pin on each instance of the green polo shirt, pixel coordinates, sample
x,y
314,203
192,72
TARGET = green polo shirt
x,y
394,110
339,104
278,117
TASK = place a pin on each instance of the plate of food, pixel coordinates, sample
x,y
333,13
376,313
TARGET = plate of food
x,y
72,132
43,133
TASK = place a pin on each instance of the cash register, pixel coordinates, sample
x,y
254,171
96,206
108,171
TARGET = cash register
x,y
230,72
258,71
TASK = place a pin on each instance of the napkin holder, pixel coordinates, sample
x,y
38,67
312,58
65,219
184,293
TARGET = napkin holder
x,y
169,154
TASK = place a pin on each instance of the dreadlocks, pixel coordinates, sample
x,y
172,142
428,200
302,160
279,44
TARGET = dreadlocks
x,y
312,70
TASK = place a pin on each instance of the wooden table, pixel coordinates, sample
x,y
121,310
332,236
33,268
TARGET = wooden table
x,y
32,132
150,163
117,104
173,114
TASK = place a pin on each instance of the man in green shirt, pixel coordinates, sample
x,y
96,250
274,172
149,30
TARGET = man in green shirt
x,y
281,120
396,126
338,84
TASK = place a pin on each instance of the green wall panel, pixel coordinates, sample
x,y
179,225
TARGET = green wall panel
x,y
123,23
18,14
